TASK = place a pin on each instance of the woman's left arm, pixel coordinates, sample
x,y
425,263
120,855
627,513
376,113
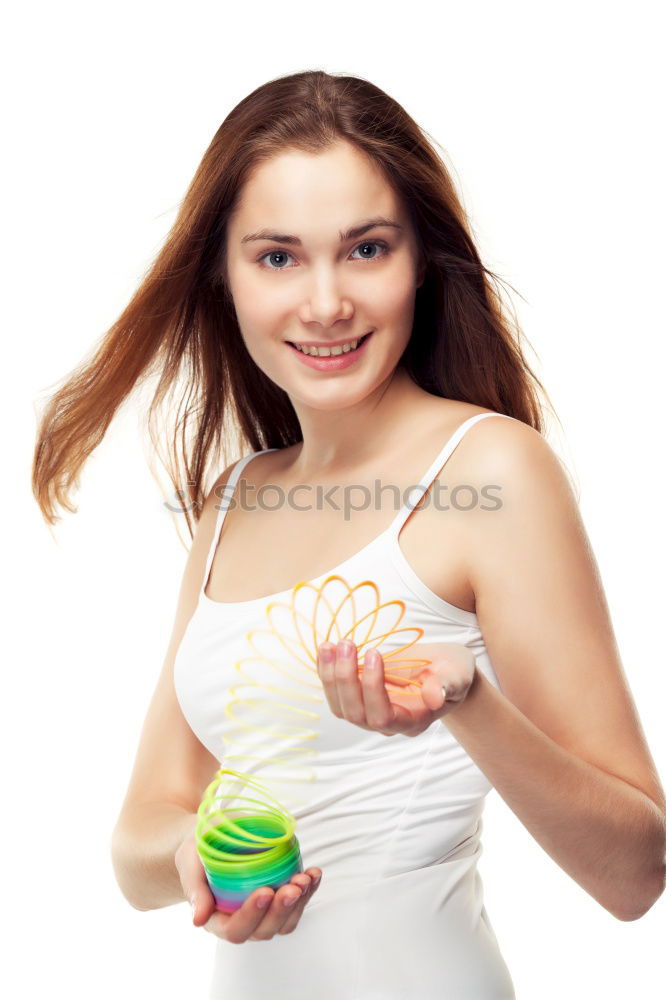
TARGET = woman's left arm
x,y
562,742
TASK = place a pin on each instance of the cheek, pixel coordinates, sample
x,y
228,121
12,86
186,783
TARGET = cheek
x,y
260,311
261,321
243,287
392,297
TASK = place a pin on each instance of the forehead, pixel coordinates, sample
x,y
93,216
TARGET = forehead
x,y
323,191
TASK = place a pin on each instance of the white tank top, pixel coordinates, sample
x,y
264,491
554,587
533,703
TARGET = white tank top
x,y
394,823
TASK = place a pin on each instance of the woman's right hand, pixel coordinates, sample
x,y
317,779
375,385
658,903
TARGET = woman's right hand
x,y
250,922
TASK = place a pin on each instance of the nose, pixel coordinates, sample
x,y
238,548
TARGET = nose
x,y
325,302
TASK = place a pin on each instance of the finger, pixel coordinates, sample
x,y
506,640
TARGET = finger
x,y
202,901
315,877
278,912
304,883
456,686
379,711
292,921
326,670
432,692
348,685
237,927
384,710
193,881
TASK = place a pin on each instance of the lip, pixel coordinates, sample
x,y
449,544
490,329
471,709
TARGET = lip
x,y
333,364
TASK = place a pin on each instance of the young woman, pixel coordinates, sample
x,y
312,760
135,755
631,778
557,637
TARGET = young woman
x,y
321,217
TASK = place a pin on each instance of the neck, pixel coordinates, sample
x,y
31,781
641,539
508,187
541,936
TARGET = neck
x,y
332,444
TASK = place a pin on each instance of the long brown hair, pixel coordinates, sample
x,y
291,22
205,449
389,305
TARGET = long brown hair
x,y
181,326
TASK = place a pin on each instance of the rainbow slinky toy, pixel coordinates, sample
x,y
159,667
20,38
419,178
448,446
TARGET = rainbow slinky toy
x,y
246,841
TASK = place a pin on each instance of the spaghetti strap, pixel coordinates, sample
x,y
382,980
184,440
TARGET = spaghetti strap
x,y
417,492
223,506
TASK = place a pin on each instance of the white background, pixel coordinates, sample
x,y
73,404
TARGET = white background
x,y
548,114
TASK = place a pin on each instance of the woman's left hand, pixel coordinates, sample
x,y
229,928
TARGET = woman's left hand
x,y
365,701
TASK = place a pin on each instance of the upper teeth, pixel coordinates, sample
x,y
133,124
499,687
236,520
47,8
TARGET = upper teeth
x,y
327,352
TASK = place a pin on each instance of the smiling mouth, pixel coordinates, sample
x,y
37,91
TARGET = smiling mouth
x,y
340,355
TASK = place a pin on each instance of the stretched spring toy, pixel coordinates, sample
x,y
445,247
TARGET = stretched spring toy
x,y
248,841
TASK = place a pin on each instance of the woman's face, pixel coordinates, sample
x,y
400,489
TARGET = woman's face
x,y
298,276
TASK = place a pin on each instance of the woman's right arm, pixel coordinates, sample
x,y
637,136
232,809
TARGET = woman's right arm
x,y
172,768
153,847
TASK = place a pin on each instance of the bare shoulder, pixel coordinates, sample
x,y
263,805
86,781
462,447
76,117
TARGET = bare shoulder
x,y
508,431
215,493
484,437
215,497
508,448
530,485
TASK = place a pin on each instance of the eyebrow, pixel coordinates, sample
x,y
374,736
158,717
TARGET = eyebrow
x,y
351,234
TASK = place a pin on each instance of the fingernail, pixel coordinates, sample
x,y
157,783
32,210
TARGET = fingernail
x,y
327,653
316,881
345,647
262,902
290,900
